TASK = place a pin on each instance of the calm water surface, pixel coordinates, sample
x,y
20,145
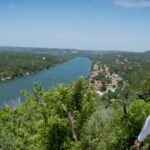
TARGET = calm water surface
x,y
63,73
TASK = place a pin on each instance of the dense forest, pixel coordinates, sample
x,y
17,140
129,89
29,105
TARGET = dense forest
x,y
74,117
15,64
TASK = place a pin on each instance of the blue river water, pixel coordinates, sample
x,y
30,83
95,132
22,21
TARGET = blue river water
x,y
62,73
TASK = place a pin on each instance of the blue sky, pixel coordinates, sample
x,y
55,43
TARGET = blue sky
x,y
80,24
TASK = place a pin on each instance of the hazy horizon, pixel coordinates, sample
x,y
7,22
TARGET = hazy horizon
x,y
76,24
34,47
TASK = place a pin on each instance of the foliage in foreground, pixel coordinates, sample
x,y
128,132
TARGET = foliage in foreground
x,y
48,120
71,117
109,129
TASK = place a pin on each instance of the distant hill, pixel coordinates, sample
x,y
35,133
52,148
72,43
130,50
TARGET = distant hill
x,y
51,51
148,51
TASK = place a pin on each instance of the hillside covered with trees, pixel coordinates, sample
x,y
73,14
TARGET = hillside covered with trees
x,y
15,64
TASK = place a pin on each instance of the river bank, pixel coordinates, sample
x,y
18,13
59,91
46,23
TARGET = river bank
x,y
61,73
18,64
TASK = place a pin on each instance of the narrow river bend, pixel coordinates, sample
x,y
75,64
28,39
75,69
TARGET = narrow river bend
x,y
62,73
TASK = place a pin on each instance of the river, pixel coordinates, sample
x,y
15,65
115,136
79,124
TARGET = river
x,y
62,73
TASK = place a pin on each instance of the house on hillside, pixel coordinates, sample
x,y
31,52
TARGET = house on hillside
x,y
106,68
95,71
116,77
111,88
100,93
96,68
98,84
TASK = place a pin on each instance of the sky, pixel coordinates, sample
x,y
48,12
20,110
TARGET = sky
x,y
79,24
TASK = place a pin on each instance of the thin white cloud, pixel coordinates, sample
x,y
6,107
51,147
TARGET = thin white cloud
x,y
133,3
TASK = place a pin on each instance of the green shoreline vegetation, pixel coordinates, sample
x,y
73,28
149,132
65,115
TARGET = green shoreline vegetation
x,y
17,64
71,117
75,117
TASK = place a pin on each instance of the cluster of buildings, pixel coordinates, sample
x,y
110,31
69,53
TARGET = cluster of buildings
x,y
95,72
6,78
115,78
95,79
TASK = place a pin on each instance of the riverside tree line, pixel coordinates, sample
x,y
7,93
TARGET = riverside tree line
x,y
15,64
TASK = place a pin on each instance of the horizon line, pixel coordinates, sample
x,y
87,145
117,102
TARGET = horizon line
x,y
119,50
